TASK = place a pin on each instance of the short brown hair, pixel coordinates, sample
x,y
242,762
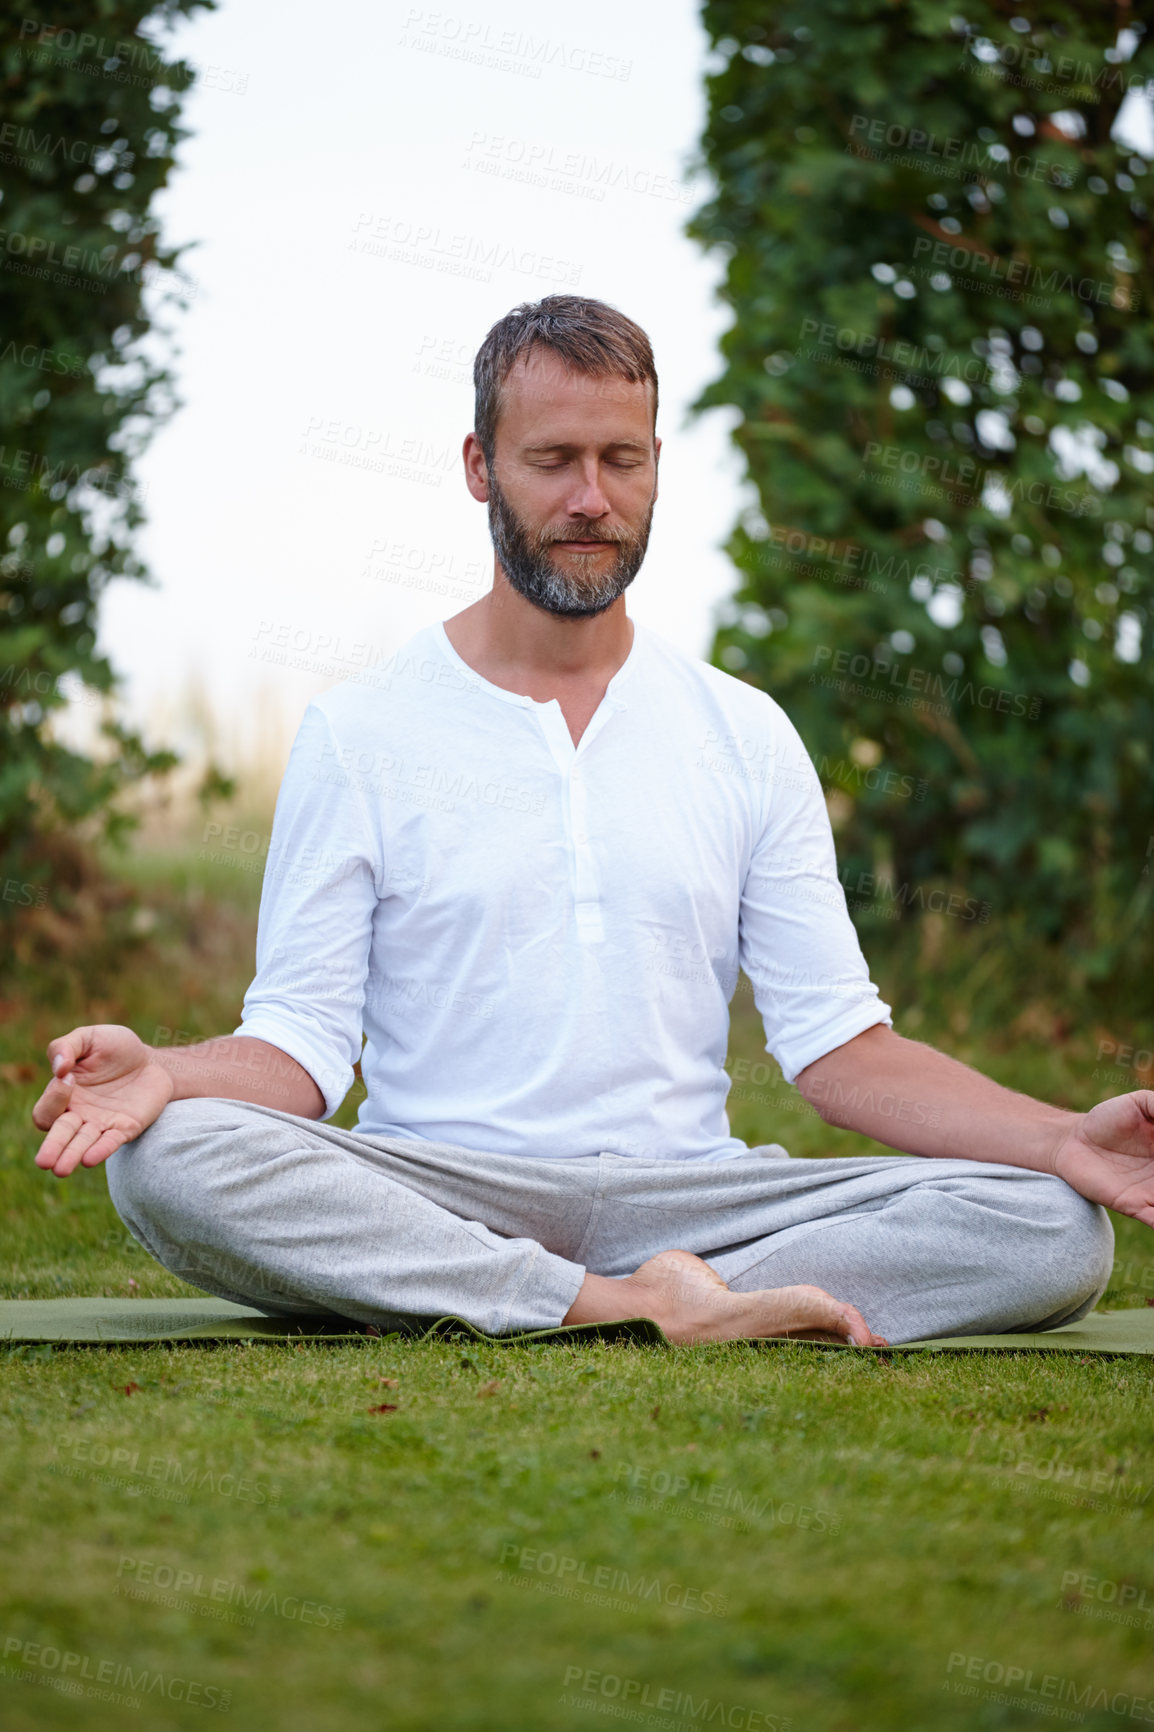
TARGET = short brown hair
x,y
589,336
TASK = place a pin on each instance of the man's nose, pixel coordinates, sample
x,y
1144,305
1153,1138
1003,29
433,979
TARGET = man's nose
x,y
588,496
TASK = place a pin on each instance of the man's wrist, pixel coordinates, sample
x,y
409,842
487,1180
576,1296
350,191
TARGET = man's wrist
x,y
1041,1145
1068,1134
158,1056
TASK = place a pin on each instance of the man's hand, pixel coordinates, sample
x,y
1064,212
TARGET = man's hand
x,y
1108,1155
106,1089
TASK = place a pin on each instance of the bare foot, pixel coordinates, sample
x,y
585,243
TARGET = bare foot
x,y
691,1303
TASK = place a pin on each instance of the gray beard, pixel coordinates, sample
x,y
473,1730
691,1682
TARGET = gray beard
x,y
527,561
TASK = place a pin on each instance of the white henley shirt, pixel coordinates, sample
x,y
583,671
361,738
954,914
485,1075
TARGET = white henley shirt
x,y
539,941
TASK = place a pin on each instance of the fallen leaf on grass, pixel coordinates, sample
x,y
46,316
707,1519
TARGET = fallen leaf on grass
x,y
132,1389
388,1382
385,1407
491,1387
18,1073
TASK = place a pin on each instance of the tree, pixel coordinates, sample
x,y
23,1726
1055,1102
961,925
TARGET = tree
x,y
91,127
940,265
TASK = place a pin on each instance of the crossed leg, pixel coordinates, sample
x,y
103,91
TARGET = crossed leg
x,y
295,1216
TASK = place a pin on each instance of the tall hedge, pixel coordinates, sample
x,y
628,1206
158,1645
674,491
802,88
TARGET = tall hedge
x,y
941,273
89,129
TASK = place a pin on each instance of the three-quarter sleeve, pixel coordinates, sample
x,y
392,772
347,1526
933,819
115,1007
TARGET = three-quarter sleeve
x,y
317,905
797,943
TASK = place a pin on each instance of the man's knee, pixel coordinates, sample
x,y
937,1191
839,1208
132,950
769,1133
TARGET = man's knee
x,y
1069,1253
146,1173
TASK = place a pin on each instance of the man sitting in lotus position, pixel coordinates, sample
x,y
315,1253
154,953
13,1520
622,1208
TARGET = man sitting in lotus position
x,y
526,864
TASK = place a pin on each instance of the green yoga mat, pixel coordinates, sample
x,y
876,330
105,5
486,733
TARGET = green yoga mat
x,y
121,1320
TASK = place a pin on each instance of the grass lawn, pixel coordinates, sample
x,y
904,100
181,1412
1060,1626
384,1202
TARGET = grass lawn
x,y
392,1535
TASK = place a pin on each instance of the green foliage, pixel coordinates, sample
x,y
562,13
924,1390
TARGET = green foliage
x,y
91,110
941,264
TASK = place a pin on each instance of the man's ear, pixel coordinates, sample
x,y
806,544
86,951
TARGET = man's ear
x,y
476,469
656,463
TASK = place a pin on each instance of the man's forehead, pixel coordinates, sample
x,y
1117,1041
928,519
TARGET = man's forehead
x,y
541,378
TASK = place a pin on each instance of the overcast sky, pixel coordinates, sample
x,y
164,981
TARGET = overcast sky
x,y
371,188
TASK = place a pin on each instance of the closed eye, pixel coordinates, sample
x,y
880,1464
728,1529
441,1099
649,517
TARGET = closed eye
x,y
613,462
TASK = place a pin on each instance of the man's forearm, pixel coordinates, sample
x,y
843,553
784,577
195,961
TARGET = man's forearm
x,y
917,1099
241,1068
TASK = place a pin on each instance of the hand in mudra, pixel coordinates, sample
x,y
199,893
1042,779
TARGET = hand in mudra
x,y
1109,1155
106,1089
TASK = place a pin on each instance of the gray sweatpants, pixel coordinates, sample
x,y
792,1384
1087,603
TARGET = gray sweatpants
x,y
294,1216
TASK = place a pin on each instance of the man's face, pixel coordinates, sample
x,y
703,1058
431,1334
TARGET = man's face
x,y
572,485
